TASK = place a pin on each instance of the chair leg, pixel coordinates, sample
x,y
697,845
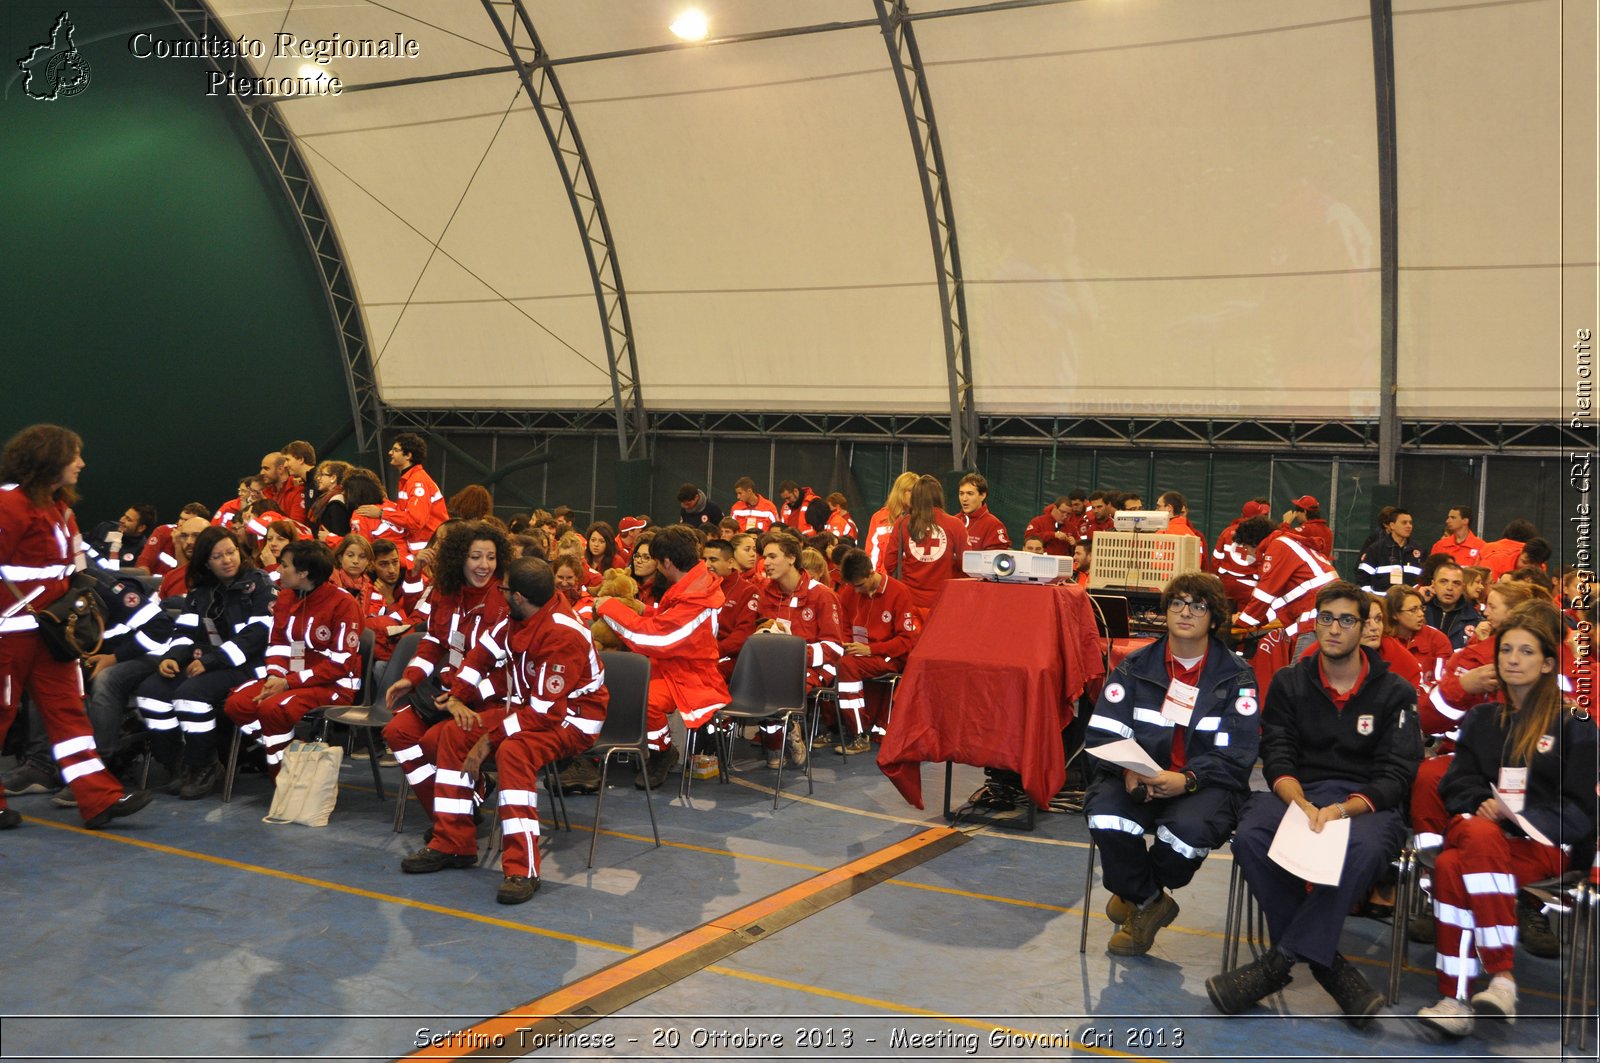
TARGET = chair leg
x,y
372,757
558,797
1230,929
400,795
1405,866
600,800
649,797
233,767
783,760
1088,893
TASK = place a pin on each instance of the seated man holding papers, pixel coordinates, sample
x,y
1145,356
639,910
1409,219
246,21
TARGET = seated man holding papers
x,y
1182,728
1339,747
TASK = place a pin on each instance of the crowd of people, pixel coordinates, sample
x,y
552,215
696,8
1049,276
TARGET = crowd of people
x,y
1441,693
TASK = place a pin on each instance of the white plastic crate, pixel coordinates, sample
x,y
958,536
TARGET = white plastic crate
x,y
1140,559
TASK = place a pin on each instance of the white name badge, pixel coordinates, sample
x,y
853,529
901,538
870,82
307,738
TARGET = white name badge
x,y
1396,577
1513,788
458,640
297,655
1179,705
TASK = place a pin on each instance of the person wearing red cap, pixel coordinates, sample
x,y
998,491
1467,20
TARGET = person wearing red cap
x,y
1230,562
1313,528
628,531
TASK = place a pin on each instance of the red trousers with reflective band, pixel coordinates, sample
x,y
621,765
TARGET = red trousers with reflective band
x,y
414,745
57,688
1475,898
519,757
274,718
1428,817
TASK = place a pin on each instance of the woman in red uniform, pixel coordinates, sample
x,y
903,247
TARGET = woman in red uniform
x,y
465,606
39,552
925,546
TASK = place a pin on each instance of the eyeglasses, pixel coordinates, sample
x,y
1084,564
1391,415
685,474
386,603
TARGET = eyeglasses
x,y
1344,620
1184,605
1414,608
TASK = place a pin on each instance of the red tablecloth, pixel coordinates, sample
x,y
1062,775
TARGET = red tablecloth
x,y
993,682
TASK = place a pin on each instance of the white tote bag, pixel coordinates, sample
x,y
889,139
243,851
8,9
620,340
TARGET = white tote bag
x,y
308,784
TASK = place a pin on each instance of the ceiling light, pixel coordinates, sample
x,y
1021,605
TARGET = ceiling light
x,y
691,25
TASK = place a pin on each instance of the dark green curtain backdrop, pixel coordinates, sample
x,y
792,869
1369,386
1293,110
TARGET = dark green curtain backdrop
x,y
159,298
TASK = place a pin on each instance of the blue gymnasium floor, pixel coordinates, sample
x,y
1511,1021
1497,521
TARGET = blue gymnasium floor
x,y
195,931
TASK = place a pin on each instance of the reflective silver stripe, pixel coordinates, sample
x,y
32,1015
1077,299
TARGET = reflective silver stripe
x,y
1150,716
1208,723
25,622
452,806
1496,937
1127,826
161,723
1449,913
1179,846
447,777
587,726
1106,723
421,775
233,654
192,708
1448,711
519,825
62,750
1453,965
82,768
1222,739
26,572
519,797
198,726
668,639
1481,882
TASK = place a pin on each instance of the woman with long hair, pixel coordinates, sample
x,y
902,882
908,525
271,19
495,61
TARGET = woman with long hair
x,y
218,642
352,565
465,606
1521,787
600,551
646,573
363,488
882,522
39,552
1406,620
329,513
924,547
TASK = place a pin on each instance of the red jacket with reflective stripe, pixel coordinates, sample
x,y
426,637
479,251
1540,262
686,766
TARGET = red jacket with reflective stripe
x,y
985,530
158,557
325,628
812,611
553,676
756,517
840,523
422,506
39,551
886,622
1292,571
457,623
737,619
795,516
680,638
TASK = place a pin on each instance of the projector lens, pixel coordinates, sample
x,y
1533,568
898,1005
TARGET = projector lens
x,y
1005,564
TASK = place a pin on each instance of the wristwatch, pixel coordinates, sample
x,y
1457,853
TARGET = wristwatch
x,y
1191,782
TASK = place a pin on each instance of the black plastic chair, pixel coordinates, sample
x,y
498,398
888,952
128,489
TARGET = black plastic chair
x,y
625,731
769,682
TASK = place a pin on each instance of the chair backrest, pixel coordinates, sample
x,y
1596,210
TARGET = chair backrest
x,y
395,670
628,681
368,640
770,673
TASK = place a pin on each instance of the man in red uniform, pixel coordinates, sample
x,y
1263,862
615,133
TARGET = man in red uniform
x,y
40,551
299,461
1505,553
419,506
680,638
754,513
1222,557
1292,571
802,510
1458,541
313,658
1052,528
839,522
794,603
1313,528
1078,517
737,619
881,626
1177,507
543,702
984,529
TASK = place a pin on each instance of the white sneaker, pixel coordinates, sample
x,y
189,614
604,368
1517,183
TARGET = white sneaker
x,y
1498,1001
1450,1017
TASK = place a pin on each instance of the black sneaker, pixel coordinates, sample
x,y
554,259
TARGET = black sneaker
x,y
1421,928
10,818
1350,990
198,782
426,861
64,798
1233,991
126,805
32,778
1533,931
516,889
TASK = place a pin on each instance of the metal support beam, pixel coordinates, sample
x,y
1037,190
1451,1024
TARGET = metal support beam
x,y
577,175
366,408
910,76
1388,242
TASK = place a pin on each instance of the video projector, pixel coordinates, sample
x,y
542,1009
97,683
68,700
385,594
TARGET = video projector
x,y
1141,520
1014,566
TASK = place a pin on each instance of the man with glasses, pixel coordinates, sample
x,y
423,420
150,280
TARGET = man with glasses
x,y
1339,740
1191,705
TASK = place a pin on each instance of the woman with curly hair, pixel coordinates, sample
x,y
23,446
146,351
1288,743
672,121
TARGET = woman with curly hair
x,y
466,608
39,553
